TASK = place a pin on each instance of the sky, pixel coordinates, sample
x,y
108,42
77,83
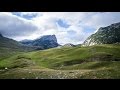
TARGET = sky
x,y
69,27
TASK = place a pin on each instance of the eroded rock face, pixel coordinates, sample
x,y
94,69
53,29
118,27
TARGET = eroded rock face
x,y
104,35
47,41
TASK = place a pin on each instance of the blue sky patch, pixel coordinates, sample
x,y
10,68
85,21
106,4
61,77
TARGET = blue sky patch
x,y
62,23
25,16
89,30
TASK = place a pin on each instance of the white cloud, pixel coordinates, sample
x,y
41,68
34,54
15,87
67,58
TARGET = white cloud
x,y
45,23
102,19
14,27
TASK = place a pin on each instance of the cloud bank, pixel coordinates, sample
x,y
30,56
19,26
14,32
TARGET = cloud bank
x,y
69,27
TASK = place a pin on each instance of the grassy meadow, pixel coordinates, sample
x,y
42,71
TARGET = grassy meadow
x,y
93,62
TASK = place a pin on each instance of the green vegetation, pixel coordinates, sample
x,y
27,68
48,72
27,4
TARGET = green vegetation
x,y
104,35
93,62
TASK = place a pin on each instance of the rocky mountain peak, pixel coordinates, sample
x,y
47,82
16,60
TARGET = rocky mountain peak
x,y
48,37
46,41
104,35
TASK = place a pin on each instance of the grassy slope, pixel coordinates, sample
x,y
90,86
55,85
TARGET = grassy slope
x,y
74,62
9,47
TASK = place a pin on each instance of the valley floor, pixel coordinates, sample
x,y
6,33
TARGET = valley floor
x,y
95,62
26,73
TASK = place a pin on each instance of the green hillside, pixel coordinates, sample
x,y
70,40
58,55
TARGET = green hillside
x,y
10,47
100,61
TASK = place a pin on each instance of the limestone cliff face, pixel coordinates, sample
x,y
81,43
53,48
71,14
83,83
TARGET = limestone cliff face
x,y
47,41
104,35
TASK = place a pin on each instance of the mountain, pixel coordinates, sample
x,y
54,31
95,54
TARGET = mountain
x,y
10,44
46,41
1,35
68,45
26,42
104,35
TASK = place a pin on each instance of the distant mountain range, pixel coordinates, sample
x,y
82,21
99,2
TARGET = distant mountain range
x,y
45,42
14,45
104,35
69,45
